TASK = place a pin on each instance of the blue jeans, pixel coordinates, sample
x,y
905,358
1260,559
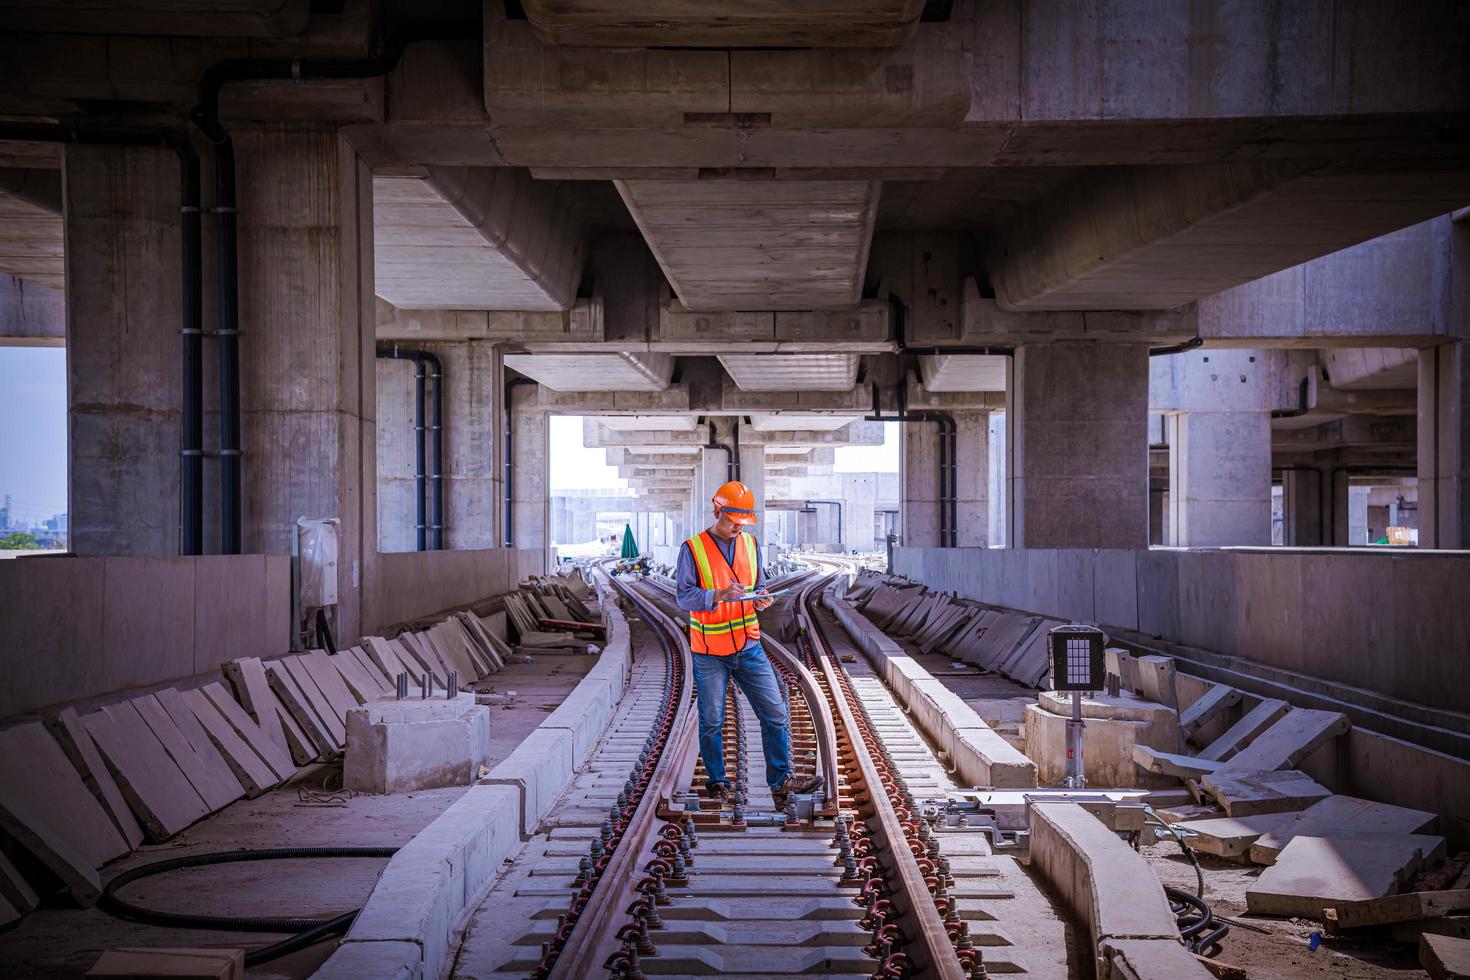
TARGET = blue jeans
x,y
757,678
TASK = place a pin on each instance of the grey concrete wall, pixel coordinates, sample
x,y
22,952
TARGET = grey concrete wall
x,y
1388,622
82,627
918,463
31,315
1444,445
416,584
123,377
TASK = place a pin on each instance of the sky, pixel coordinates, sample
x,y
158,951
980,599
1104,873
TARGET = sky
x,y
575,467
33,430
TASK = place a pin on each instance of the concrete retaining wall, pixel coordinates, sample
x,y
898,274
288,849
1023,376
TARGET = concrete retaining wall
x,y
1110,889
73,628
979,755
411,584
1385,622
407,929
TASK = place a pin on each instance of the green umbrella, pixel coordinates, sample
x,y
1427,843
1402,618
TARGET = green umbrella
x,y
630,547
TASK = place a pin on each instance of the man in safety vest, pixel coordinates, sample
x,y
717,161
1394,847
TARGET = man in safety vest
x,y
717,569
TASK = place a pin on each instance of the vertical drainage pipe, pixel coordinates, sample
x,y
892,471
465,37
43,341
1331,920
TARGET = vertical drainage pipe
x,y
947,471
729,456
419,477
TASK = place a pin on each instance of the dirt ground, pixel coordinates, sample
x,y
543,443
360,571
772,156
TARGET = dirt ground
x,y
1285,950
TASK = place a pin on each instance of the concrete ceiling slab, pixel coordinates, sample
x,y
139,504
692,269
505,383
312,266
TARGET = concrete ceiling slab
x,y
214,18
791,421
596,372
646,423
758,244
792,372
963,372
475,238
31,245
721,24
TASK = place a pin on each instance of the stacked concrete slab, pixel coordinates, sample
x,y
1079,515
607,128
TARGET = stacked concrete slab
x,y
429,887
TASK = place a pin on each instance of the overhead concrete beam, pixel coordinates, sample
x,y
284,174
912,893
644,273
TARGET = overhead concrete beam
x,y
211,18
477,238
983,321
758,244
31,238
1161,237
1398,289
621,372
716,24
31,315
1366,431
577,329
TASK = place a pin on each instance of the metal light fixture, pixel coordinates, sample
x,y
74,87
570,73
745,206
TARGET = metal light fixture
x,y
1077,665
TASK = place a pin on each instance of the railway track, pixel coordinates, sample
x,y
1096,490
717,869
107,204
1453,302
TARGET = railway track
x,y
641,874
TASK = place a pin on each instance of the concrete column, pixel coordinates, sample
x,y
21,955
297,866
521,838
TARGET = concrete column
x,y
1219,435
1220,478
1301,508
921,513
531,432
1077,419
123,315
753,475
1444,446
710,471
308,371
396,449
859,497
995,480
474,484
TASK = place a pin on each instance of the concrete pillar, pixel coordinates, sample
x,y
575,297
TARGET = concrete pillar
x,y
753,475
308,372
123,315
859,498
531,434
1217,405
1444,446
474,474
1077,419
396,450
1220,479
1301,508
921,513
995,481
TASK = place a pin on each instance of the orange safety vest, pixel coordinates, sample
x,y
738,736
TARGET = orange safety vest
x,y
730,626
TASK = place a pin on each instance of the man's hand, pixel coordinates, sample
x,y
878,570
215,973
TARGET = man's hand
x,y
763,604
730,593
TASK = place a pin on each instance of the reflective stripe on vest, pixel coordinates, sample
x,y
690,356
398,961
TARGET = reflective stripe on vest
x,y
730,626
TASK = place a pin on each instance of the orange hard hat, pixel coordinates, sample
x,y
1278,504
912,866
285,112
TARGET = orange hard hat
x,y
736,502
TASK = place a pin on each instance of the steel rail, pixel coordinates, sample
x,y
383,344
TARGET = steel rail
x,y
822,721
929,946
594,937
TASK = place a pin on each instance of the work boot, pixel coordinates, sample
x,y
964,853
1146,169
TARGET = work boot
x,y
721,792
794,784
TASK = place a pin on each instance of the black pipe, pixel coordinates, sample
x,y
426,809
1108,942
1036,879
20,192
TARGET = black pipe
x,y
205,115
729,457
436,372
510,471
1190,344
191,422
735,436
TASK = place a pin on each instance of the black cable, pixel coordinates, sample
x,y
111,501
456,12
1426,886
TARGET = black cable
x,y
306,931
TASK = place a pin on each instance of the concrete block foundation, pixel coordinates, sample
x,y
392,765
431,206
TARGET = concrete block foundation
x,y
400,746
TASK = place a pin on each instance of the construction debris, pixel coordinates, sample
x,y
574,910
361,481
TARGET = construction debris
x,y
1445,957
1313,874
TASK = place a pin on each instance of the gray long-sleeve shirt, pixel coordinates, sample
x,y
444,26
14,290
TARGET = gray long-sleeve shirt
x,y
686,576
